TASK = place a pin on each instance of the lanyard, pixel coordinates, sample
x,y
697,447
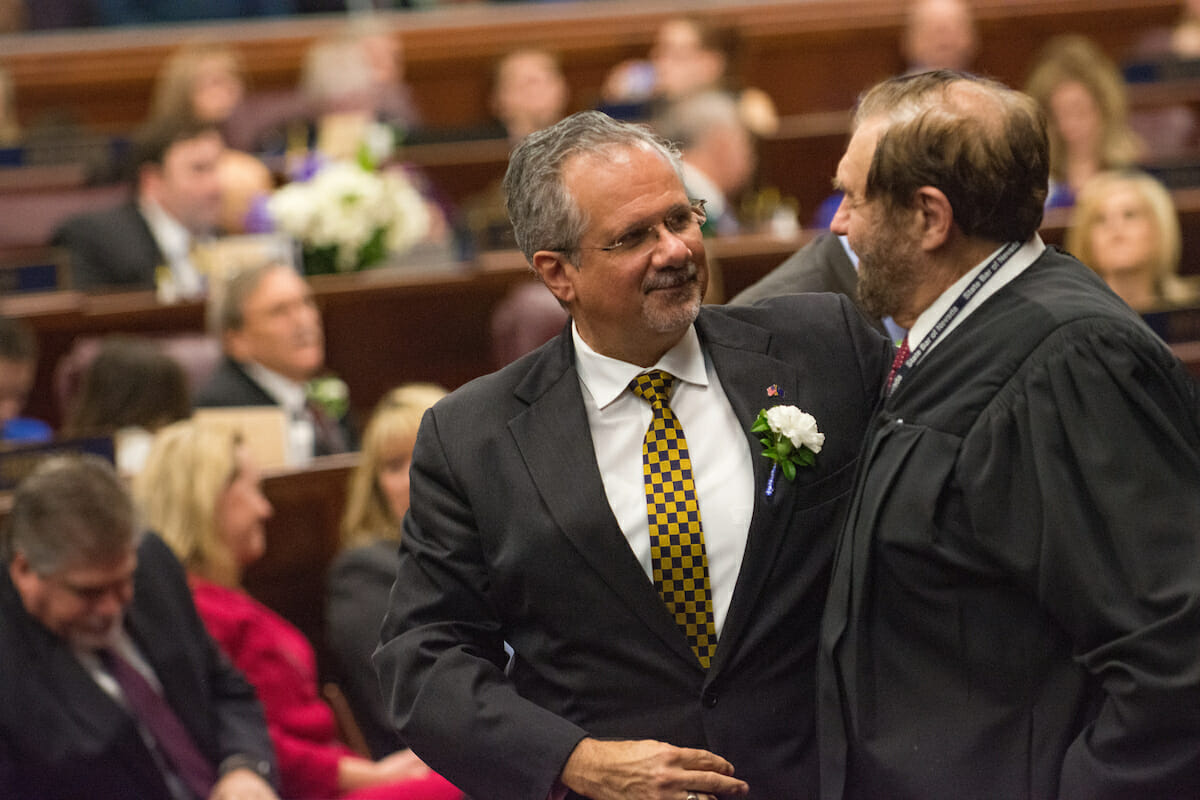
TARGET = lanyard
x,y
952,312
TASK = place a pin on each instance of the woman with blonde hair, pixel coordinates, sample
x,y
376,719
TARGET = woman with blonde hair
x,y
362,575
202,80
1084,96
200,490
1125,227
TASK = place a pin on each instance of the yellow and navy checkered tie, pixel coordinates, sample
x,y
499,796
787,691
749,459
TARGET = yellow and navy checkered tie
x,y
677,555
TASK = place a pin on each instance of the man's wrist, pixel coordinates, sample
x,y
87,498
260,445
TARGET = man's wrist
x,y
259,766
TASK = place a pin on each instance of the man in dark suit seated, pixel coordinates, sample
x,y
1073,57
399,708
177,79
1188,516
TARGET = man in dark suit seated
x,y
270,330
110,687
145,243
535,519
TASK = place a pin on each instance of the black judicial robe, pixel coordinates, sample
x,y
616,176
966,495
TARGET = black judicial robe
x,y
1015,605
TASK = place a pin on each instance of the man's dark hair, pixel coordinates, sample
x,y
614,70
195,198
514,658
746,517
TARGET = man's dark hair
x,y
981,143
153,140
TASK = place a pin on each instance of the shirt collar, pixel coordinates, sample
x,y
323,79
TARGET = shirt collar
x,y
173,238
1020,260
285,391
606,378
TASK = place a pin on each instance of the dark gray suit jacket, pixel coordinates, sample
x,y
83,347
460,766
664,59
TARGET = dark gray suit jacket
x,y
510,538
819,266
230,385
62,737
110,249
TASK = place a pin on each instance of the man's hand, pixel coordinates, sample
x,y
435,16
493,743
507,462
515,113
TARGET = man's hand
x,y
647,770
242,784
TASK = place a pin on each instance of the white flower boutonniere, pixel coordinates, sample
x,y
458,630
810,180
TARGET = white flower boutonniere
x,y
331,394
791,439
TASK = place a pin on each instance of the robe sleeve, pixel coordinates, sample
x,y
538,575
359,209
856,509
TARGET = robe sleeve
x,y
1083,479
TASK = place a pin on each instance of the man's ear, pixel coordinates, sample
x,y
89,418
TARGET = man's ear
x,y
149,180
937,217
21,573
557,273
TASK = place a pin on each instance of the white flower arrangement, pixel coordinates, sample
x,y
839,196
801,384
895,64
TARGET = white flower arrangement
x,y
348,217
791,439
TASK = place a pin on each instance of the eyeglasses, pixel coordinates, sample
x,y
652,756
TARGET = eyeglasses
x,y
679,221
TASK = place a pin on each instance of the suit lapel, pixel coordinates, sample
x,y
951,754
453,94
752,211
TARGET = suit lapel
x,y
739,354
555,442
170,660
250,388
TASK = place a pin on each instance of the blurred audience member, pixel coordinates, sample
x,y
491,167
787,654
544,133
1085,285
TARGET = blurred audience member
x,y
145,243
361,576
1180,41
201,491
201,80
110,687
353,82
206,82
128,391
529,92
1083,95
718,154
526,317
687,57
246,185
274,344
1125,227
939,34
18,368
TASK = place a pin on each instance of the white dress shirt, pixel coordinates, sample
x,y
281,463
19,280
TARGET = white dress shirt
x,y
291,397
123,646
175,242
720,456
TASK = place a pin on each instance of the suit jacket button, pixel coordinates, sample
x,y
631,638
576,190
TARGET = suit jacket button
x,y
709,698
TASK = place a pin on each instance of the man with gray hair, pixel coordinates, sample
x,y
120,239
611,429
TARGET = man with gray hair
x,y
1015,606
274,343
110,687
717,150
602,509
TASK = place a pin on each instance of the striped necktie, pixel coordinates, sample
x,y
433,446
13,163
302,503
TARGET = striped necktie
x,y
170,736
901,356
677,557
